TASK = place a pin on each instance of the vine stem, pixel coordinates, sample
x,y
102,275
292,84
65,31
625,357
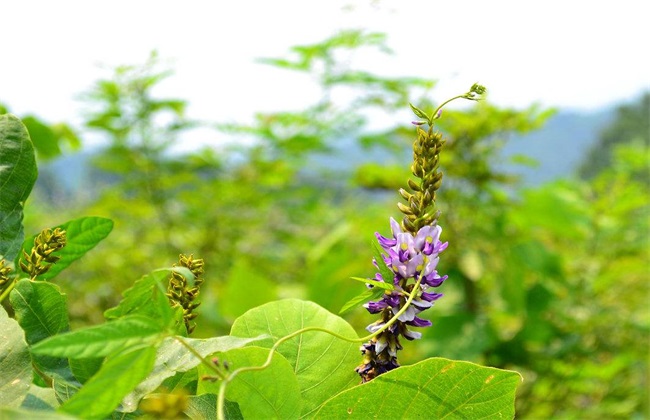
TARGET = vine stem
x,y
8,290
222,387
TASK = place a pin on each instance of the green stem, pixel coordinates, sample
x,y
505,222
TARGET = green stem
x,y
8,290
196,354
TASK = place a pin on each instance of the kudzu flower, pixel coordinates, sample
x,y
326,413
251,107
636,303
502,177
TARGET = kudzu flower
x,y
409,258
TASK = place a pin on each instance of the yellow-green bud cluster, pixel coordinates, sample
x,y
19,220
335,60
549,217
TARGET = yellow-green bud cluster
x,y
4,274
41,257
182,294
419,207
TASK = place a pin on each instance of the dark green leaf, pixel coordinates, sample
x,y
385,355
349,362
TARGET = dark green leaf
x,y
172,357
117,377
63,389
323,364
82,235
42,311
101,340
15,363
434,388
40,399
83,369
17,176
269,393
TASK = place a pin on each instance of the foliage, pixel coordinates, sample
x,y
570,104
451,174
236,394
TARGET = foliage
x,y
551,282
301,364
631,124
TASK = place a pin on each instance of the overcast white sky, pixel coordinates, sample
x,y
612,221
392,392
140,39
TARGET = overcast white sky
x,y
577,54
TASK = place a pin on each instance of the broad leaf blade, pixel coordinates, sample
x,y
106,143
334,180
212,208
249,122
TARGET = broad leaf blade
x,y
324,365
117,377
101,340
82,235
204,407
15,363
271,393
434,388
173,357
17,176
42,312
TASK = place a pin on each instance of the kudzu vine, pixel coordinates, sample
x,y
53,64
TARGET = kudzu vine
x,y
144,347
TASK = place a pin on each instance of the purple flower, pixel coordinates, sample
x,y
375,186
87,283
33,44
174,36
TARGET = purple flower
x,y
411,258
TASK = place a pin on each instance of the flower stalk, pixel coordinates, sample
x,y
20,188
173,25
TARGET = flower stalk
x,y
408,259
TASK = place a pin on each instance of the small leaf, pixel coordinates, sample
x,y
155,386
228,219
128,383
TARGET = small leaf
x,y
138,299
15,363
117,377
434,388
386,273
42,312
324,364
101,340
380,284
367,295
82,235
172,357
17,176
418,112
271,393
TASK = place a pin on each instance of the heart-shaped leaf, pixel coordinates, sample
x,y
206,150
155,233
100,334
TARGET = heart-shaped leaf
x,y
434,388
324,364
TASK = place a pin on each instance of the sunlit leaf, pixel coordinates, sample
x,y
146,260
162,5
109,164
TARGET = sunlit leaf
x,y
271,393
15,363
434,388
323,364
357,301
173,357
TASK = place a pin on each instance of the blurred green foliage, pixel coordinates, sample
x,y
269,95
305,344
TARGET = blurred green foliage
x,y
552,281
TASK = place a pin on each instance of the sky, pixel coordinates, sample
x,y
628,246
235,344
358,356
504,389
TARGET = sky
x,y
568,54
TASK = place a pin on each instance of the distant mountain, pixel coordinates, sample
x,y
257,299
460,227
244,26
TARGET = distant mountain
x,y
558,147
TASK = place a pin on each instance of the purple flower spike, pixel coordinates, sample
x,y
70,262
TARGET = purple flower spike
x,y
411,258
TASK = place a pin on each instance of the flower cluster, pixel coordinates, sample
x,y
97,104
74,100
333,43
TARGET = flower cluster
x,y
41,257
412,260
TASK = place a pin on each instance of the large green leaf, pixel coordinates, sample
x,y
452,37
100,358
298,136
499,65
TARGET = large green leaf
x,y
323,364
271,393
434,388
173,357
42,311
101,340
82,235
15,363
117,377
17,176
